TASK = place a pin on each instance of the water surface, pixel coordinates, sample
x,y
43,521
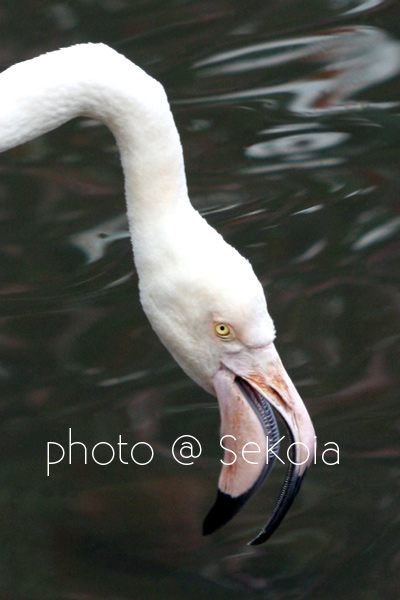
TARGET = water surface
x,y
289,118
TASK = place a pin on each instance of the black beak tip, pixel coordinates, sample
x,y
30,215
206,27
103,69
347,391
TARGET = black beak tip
x,y
260,539
224,509
288,494
208,526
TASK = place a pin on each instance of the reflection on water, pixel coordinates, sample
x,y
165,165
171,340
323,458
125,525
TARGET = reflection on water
x,y
337,65
289,119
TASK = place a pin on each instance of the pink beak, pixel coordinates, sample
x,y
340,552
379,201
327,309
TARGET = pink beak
x,y
250,437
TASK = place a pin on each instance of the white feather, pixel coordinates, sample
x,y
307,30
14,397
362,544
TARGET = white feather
x,y
189,278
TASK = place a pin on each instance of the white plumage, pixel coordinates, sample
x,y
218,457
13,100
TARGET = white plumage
x,y
190,279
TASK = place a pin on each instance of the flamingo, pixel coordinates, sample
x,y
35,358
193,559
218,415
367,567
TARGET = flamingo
x,y
200,295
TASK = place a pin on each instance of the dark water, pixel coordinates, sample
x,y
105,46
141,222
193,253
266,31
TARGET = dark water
x,y
289,113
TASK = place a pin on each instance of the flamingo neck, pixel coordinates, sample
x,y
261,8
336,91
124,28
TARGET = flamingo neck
x,y
92,80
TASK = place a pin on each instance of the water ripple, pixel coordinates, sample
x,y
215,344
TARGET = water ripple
x,y
346,60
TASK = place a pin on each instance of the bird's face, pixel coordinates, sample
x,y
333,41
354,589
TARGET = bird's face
x,y
213,318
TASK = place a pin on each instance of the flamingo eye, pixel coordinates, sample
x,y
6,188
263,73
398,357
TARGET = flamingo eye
x,y
222,330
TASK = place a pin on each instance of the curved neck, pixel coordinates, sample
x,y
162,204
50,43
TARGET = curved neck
x,y
92,80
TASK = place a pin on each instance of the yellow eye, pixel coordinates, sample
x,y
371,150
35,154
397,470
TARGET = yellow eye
x,y
222,330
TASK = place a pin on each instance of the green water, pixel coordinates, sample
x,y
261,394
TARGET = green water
x,y
289,115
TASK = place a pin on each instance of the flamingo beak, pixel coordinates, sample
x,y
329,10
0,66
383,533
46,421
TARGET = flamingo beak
x,y
250,438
